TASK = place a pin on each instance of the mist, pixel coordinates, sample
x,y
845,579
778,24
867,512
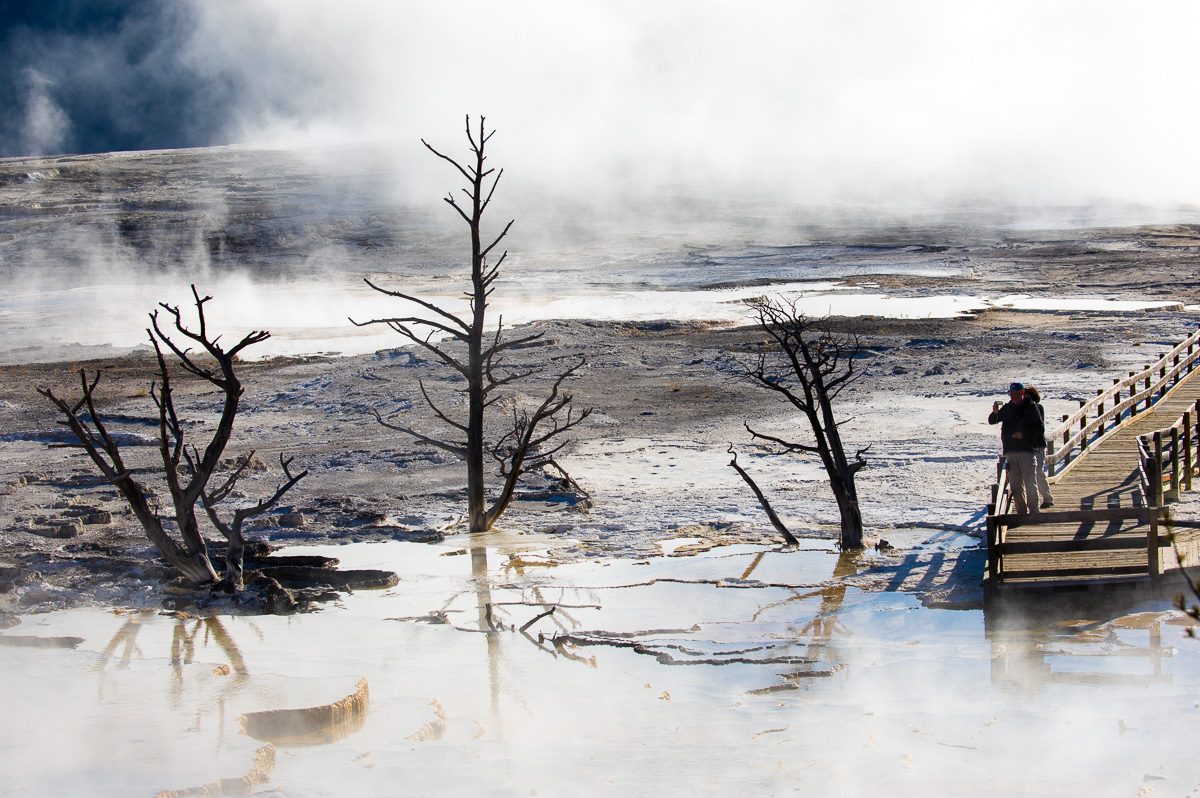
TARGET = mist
x,y
867,103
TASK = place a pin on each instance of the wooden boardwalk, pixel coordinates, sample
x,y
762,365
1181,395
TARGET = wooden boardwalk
x,y
1104,527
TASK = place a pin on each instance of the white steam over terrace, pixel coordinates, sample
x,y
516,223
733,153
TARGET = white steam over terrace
x,y
869,102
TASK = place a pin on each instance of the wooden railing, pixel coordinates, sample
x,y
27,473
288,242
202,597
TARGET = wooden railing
x,y
1170,457
1000,505
999,547
1113,406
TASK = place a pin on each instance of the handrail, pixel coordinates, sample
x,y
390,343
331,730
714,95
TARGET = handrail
x,y
1001,504
1077,432
1169,458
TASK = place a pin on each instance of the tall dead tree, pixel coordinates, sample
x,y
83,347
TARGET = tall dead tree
x,y
185,469
534,436
811,366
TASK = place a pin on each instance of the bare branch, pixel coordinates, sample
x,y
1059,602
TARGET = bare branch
x,y
454,447
762,500
449,200
407,320
496,182
787,446
447,159
422,341
498,238
423,303
437,411
262,506
218,495
536,618
503,346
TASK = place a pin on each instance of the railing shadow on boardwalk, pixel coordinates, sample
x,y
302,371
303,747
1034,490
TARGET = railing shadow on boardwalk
x,y
1120,512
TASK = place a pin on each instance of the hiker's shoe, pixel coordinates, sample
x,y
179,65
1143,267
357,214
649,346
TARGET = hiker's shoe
x,y
1046,504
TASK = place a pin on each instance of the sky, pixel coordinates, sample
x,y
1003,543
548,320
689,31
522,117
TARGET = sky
x,y
859,100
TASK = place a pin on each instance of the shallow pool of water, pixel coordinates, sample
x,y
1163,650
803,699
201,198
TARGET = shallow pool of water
x,y
742,670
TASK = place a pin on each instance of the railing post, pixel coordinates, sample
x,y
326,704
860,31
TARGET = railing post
x,y
1083,441
1100,406
1149,396
1050,458
993,547
1174,464
1133,407
1174,364
1196,432
1162,375
1187,450
1152,558
1149,467
1156,488
1116,402
1066,437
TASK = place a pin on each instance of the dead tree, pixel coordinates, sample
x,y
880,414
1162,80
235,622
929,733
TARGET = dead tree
x,y
811,366
534,436
186,470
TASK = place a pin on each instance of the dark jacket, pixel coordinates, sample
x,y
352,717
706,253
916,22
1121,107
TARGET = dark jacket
x,y
1021,427
1040,443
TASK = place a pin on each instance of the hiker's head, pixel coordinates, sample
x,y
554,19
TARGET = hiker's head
x,y
1016,392
1033,393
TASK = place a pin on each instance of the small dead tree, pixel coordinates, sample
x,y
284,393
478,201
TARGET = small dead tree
x,y
186,470
534,436
811,366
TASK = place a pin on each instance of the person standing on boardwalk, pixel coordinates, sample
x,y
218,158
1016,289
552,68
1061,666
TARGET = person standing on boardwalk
x,y
1020,429
1039,451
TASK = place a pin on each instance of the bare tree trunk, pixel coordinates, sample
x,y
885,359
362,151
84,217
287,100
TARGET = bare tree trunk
x,y
481,368
193,565
851,518
817,365
476,498
235,556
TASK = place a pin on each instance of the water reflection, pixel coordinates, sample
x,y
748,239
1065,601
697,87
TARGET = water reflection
x,y
122,649
124,639
818,653
486,623
913,689
1108,639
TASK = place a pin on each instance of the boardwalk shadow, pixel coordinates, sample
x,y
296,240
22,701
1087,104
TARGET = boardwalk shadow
x,y
1128,493
939,574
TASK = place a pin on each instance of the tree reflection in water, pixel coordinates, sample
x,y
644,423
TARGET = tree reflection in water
x,y
486,624
820,628
122,647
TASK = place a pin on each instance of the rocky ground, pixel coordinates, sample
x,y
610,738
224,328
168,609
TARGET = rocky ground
x,y
667,402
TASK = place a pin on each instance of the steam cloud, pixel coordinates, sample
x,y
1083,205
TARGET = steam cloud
x,y
46,125
864,101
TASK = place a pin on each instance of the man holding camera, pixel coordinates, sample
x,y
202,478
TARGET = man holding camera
x,y
1021,428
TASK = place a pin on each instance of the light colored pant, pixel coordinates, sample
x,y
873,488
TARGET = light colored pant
x,y
1039,471
1022,480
